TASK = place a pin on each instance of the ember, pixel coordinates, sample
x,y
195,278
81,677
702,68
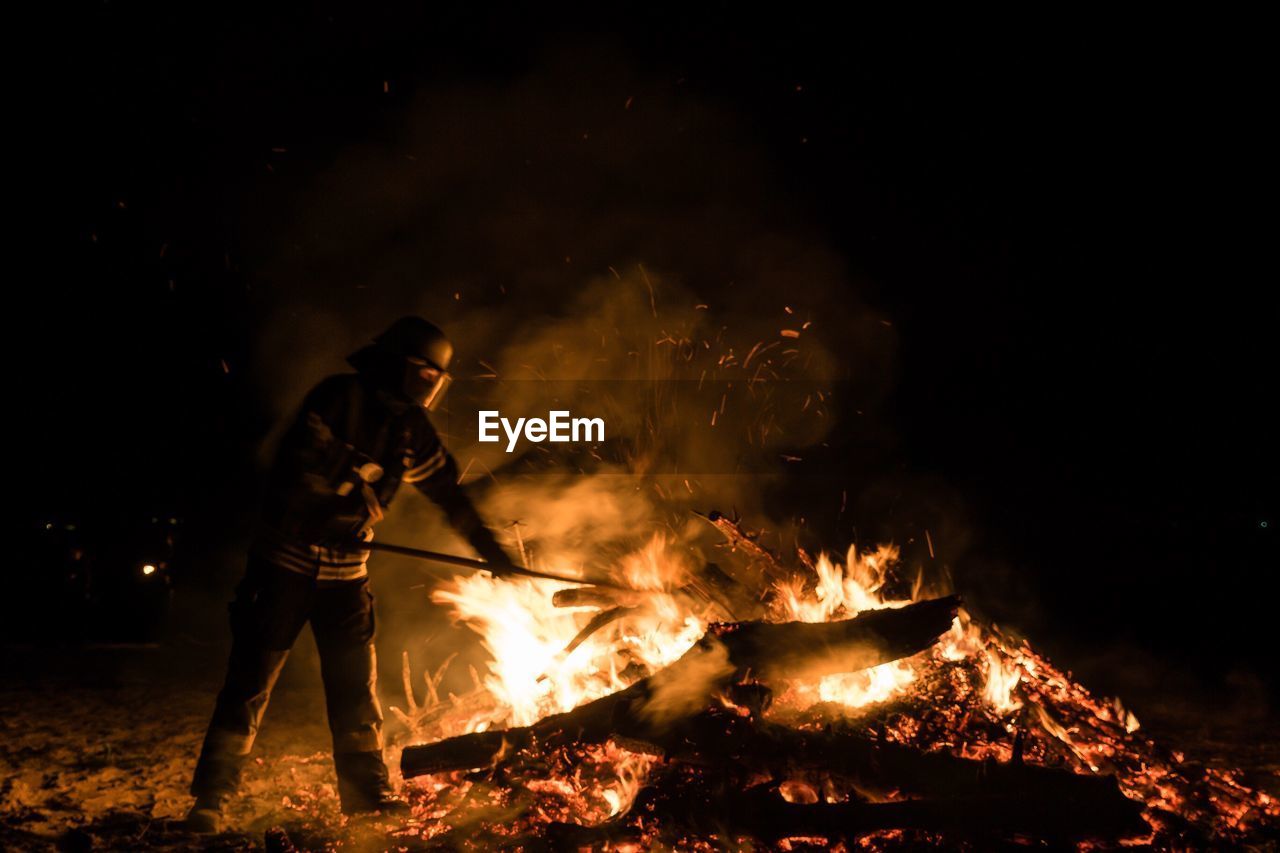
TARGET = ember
x,y
902,721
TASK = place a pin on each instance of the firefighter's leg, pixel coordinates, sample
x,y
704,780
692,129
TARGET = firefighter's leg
x,y
343,624
271,605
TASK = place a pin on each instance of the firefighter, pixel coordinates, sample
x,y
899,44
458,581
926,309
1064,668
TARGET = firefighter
x,y
357,437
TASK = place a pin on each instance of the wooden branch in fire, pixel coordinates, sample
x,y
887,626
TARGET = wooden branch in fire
x,y
727,654
426,719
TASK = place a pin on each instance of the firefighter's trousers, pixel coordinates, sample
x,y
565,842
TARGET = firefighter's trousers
x,y
271,605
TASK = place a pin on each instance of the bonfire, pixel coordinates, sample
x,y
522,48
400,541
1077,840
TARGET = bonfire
x,y
781,700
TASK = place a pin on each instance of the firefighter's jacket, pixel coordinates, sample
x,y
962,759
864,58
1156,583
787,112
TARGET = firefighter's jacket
x,y
338,468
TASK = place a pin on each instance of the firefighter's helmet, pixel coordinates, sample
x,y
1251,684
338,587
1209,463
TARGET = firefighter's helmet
x,y
419,351
414,337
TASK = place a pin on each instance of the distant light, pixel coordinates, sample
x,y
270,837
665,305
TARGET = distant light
x,y
1262,524
148,569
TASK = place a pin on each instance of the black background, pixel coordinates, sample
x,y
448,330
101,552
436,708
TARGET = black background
x,y
1069,223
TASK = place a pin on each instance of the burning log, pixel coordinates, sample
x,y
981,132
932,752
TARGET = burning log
x,y
758,558
875,767
964,797
589,596
713,584
725,812
773,651
604,617
727,653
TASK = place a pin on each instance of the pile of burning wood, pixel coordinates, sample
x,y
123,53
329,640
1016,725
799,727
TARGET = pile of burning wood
x,y
784,704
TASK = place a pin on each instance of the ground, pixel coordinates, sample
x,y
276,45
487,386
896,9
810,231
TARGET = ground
x,y
97,747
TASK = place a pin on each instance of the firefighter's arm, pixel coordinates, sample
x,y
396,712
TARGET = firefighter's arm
x,y
315,492
313,460
437,478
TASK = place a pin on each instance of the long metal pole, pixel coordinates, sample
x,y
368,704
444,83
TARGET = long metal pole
x,y
481,565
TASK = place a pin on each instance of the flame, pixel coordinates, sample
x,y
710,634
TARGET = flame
x,y
531,675
654,567
840,592
855,689
633,769
1002,678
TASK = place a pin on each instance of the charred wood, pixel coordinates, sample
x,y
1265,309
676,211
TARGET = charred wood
x,y
759,559
875,767
727,813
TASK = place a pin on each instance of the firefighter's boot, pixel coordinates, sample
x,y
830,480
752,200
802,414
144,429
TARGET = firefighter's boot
x,y
206,815
363,784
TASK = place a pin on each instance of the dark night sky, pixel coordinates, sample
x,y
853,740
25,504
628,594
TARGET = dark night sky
x,y
1066,228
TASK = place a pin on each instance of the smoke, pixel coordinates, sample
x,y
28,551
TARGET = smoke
x,y
680,690
589,230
